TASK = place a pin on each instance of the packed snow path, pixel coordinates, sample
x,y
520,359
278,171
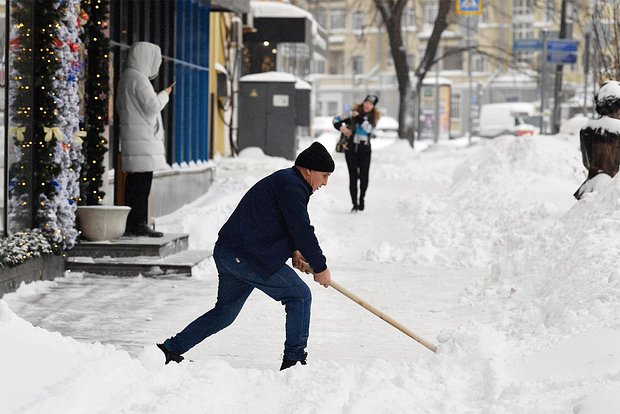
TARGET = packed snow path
x,y
133,312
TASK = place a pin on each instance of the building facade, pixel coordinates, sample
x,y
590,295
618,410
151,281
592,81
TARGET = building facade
x,y
43,130
359,59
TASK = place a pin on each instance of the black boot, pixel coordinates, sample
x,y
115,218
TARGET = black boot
x,y
170,356
360,206
355,208
143,230
287,363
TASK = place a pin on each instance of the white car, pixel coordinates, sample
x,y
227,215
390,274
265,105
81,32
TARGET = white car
x,y
510,118
387,127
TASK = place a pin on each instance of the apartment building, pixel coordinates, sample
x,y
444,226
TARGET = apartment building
x,y
359,59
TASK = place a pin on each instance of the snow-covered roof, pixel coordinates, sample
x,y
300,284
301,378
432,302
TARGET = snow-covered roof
x,y
300,84
269,77
275,9
513,77
265,9
432,80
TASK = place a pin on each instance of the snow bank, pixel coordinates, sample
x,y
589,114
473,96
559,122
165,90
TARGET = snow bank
x,y
507,188
579,288
74,377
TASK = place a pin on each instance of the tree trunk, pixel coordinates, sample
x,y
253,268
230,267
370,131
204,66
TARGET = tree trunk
x,y
408,110
392,12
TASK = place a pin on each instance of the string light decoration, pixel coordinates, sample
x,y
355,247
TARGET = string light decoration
x,y
44,103
21,246
94,17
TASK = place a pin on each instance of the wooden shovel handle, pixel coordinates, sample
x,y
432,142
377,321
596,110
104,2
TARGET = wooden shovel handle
x,y
382,315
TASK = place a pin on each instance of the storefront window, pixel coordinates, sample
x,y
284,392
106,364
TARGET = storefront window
x,y
18,111
2,108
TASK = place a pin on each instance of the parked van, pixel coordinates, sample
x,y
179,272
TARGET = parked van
x,y
510,118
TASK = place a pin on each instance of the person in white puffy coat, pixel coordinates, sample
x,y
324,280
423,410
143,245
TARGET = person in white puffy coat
x,y
141,132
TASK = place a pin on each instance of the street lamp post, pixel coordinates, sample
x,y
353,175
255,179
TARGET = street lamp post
x,y
586,70
470,93
543,77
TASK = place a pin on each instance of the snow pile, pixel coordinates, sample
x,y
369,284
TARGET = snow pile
x,y
567,278
499,192
74,377
573,125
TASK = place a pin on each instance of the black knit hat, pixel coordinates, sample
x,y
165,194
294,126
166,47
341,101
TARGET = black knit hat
x,y
316,158
373,99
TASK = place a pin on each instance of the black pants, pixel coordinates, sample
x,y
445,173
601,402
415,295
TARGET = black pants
x,y
137,190
358,163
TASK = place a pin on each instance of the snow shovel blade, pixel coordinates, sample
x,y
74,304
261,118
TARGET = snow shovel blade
x,y
382,315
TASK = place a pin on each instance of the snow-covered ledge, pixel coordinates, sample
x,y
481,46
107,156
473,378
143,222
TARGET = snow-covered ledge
x,y
98,223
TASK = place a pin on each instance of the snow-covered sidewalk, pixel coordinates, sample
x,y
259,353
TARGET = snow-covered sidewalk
x,y
480,249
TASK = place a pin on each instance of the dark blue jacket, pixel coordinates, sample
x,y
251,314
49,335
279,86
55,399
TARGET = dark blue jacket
x,y
271,221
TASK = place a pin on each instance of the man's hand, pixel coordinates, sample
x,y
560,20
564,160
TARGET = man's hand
x,y
299,262
324,278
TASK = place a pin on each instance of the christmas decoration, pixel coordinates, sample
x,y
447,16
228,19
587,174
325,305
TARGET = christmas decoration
x,y
21,246
94,16
44,105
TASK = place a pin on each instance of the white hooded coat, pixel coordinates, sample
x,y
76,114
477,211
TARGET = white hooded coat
x,y
139,109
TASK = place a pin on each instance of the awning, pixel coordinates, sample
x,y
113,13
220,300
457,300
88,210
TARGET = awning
x,y
280,22
235,6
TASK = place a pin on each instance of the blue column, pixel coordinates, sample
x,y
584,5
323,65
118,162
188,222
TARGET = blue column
x,y
195,44
191,98
204,83
185,50
179,127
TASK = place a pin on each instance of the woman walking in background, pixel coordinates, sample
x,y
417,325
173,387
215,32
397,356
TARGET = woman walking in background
x,y
358,127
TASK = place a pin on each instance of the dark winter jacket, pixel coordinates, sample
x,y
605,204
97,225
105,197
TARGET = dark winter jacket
x,y
271,221
600,146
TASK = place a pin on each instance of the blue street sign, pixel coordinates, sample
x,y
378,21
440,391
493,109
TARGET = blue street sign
x,y
527,45
562,45
561,57
468,7
562,51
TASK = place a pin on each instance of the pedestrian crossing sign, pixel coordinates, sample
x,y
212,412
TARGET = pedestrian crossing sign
x,y
468,6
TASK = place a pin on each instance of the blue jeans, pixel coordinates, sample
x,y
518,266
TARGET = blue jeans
x,y
237,279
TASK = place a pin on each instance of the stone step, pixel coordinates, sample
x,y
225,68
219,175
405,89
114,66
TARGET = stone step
x,y
176,264
126,246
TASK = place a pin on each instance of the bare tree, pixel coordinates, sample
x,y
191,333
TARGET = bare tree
x,y
605,39
391,12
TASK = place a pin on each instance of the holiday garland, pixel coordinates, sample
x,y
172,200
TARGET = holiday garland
x,y
19,247
44,121
95,17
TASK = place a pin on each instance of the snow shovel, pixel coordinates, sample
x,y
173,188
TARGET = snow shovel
x,y
382,315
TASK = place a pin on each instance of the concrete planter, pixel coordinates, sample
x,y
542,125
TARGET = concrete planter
x,y
99,223
46,267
